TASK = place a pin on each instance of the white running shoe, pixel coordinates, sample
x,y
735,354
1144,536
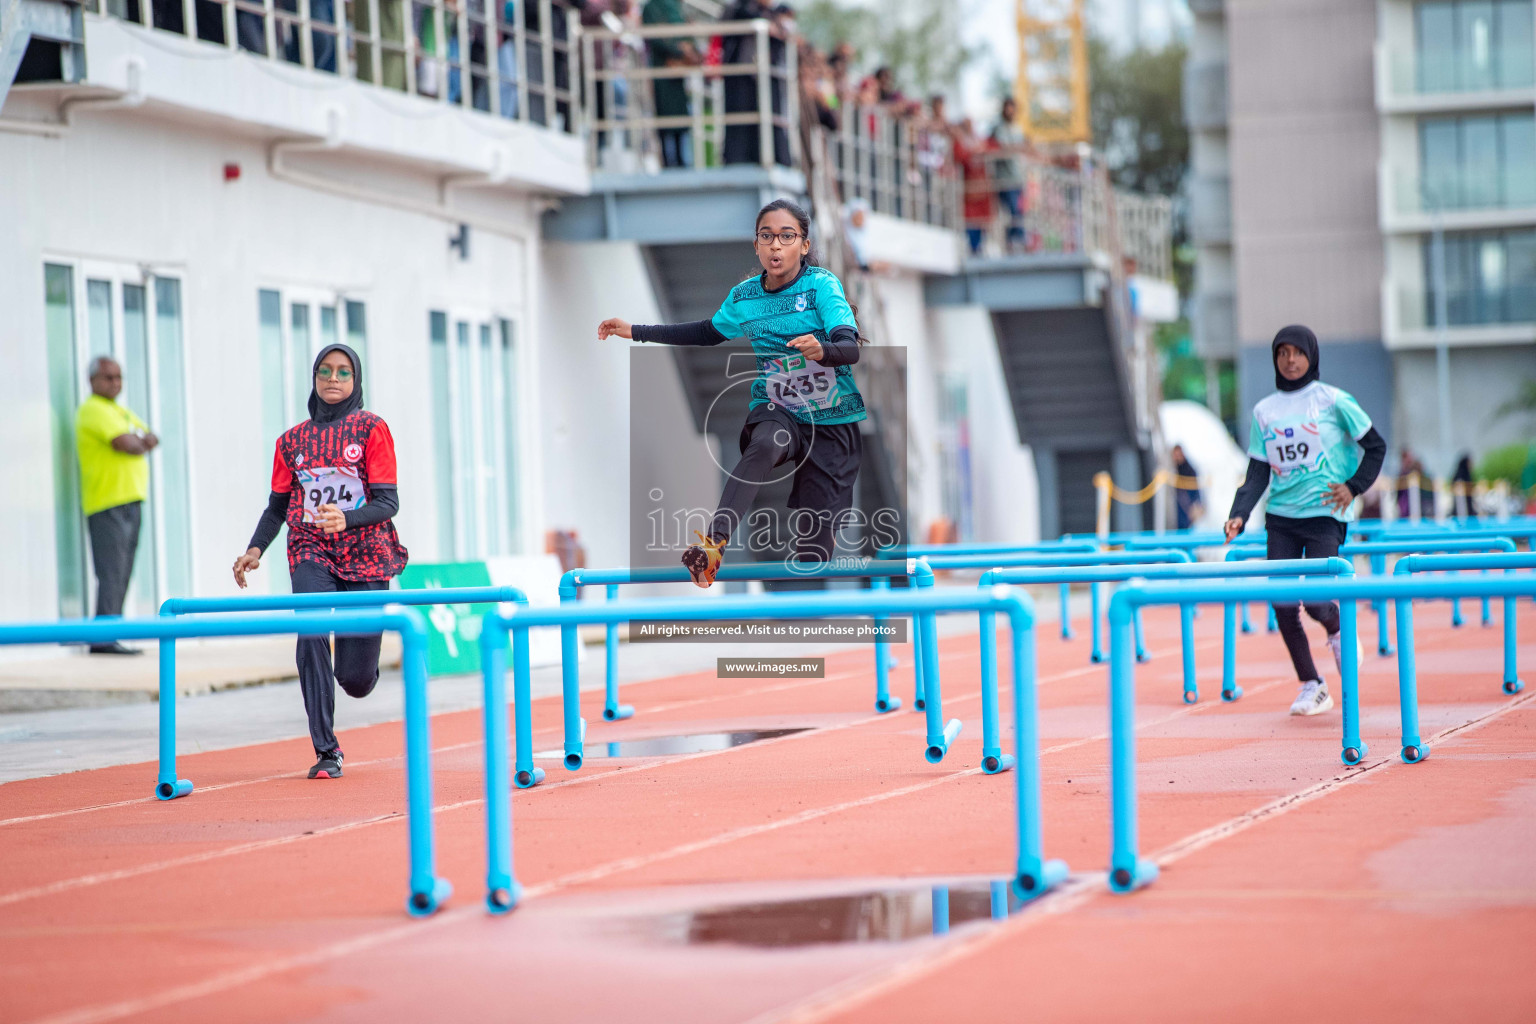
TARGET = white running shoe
x,y
1313,699
1336,645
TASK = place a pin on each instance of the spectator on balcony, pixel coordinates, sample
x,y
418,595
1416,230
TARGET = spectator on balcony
x,y
1008,143
934,143
670,94
818,94
743,142
506,60
970,157
838,64
885,81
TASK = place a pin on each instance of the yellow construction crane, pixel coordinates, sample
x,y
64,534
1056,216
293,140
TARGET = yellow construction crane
x,y
1052,83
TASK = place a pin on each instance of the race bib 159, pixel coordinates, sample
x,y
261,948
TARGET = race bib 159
x,y
1293,447
796,382
329,485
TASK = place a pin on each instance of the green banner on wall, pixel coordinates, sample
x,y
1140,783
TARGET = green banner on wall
x,y
453,629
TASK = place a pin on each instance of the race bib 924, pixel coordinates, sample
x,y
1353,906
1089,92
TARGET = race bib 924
x,y
329,485
796,382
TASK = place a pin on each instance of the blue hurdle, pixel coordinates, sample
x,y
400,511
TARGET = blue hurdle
x,y
878,572
1127,869
1409,564
926,641
1049,560
1378,550
1033,874
1038,548
168,786
1230,691
427,891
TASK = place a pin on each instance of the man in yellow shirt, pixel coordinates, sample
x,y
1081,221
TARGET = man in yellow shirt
x,y
114,481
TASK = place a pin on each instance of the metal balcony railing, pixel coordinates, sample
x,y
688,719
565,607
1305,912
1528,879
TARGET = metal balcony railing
x,y
510,59
1512,303
730,95
1508,64
1501,186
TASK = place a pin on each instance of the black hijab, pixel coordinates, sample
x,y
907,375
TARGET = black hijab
x,y
1302,338
322,411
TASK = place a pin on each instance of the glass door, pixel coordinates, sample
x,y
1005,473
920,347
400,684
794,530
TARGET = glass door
x,y
135,317
475,379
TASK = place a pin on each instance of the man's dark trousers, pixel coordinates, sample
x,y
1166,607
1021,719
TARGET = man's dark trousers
x,y
114,542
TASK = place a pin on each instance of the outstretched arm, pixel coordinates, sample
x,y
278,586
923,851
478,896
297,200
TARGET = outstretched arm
x,y
1247,496
694,332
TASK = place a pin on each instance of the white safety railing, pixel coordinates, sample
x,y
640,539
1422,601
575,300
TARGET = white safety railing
x,y
512,58
741,110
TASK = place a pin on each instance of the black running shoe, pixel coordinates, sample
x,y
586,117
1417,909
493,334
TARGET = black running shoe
x,y
328,767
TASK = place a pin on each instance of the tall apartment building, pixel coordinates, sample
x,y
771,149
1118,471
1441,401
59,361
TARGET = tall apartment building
x,y
1382,161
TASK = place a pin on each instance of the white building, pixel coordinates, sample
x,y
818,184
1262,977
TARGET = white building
x,y
211,207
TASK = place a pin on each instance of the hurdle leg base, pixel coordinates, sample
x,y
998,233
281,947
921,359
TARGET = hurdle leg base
x,y
181,787
887,705
1354,753
1097,657
919,704
1136,876
1513,686
996,764
1413,753
1031,884
938,746
504,898
424,902
1191,696
1231,695
527,778
618,712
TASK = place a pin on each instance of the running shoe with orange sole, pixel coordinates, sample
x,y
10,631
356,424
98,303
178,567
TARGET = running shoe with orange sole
x,y
703,559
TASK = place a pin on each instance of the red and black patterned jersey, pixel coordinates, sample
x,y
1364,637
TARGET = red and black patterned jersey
x,y
336,464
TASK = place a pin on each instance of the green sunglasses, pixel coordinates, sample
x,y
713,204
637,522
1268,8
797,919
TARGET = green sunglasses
x,y
342,373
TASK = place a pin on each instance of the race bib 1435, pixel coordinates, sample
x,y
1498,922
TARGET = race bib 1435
x,y
796,382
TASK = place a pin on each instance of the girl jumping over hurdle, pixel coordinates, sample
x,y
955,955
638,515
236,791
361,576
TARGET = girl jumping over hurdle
x,y
1315,449
341,461
805,407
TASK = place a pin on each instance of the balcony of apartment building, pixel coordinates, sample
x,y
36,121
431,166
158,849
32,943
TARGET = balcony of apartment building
x,y
1459,172
471,89
1450,55
1205,94
1461,288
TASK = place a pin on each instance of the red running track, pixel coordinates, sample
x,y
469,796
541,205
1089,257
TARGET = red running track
x,y
1292,888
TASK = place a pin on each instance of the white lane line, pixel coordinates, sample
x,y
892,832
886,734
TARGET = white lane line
x,y
243,976
756,691
83,881
381,760
861,989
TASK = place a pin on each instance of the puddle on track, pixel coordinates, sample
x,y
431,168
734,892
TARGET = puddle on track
x,y
690,743
896,914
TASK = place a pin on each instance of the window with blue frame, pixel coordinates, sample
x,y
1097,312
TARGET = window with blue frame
x,y
1490,278
1468,45
1478,161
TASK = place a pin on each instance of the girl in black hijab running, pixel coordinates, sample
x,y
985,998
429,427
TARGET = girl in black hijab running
x,y
341,462
1315,450
805,407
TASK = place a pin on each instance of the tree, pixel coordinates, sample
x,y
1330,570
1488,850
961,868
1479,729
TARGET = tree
x,y
1137,105
918,39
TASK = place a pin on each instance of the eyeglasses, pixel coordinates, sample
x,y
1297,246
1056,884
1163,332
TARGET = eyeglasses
x,y
342,373
766,237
